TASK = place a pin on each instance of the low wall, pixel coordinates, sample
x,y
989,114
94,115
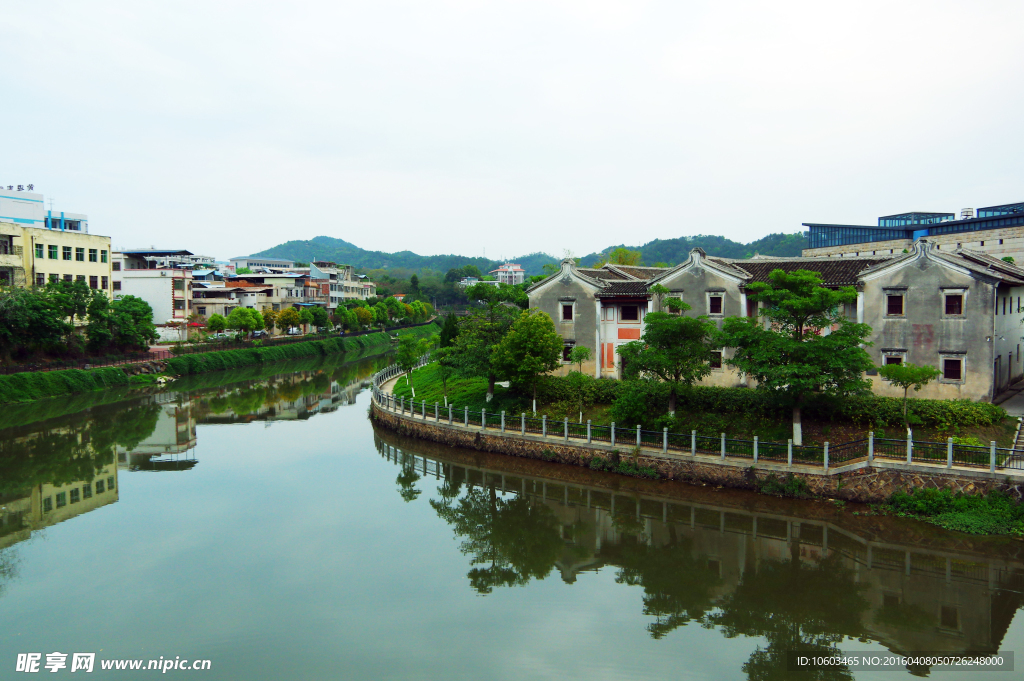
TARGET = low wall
x,y
854,482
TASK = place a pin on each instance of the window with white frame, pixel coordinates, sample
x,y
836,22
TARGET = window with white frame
x,y
716,303
953,302
567,311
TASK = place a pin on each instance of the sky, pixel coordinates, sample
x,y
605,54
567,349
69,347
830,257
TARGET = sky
x,y
505,128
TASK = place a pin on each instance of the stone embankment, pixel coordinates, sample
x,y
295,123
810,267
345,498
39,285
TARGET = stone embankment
x,y
859,481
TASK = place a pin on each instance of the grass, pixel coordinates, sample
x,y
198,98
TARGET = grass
x,y
462,392
993,513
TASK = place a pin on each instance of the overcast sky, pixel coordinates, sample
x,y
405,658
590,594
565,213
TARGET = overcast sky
x,y
230,127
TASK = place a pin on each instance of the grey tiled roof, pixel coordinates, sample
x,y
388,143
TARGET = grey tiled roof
x,y
624,288
833,271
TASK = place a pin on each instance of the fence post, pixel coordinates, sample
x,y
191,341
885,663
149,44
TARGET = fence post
x,y
503,421
693,443
544,425
589,439
613,433
723,445
949,452
826,457
424,410
483,418
755,449
565,429
522,424
449,414
466,417
992,456
910,446
664,440
403,406
789,453
638,435
437,418
871,447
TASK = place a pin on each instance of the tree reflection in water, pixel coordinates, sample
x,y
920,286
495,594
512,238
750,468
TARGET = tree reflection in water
x,y
511,541
796,607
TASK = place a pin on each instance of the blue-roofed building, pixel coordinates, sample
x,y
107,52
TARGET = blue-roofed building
x,y
995,230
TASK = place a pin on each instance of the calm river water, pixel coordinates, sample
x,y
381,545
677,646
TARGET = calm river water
x,y
262,523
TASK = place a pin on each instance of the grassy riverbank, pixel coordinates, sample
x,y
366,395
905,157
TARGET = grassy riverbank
x,y
994,513
31,386
740,412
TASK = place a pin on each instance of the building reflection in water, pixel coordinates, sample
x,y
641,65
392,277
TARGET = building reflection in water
x,y
802,584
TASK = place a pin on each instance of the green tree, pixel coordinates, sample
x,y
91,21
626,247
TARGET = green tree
x,y
449,331
676,349
908,376
414,285
216,323
305,318
619,256
71,297
479,335
363,316
245,319
125,324
530,348
580,354
808,345
320,318
243,270
28,319
445,367
410,349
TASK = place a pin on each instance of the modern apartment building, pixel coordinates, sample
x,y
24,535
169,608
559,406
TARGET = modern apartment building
x,y
509,273
168,290
39,246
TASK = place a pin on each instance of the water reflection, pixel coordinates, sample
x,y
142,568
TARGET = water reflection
x,y
745,566
57,464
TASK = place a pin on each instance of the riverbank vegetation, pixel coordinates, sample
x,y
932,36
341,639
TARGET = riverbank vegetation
x,y
70,320
29,386
993,513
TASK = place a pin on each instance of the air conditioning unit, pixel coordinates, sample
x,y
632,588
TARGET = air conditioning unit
x,y
163,274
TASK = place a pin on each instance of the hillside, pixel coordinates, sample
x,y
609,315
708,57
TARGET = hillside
x,y
660,250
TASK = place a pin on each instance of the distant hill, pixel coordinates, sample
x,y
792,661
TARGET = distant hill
x,y
671,251
675,251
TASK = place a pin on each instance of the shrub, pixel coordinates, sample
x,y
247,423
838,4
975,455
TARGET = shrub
x,y
790,486
994,513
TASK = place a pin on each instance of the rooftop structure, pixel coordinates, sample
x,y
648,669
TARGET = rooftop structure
x,y
509,273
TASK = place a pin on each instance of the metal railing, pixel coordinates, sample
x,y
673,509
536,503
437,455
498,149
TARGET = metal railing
x,y
939,454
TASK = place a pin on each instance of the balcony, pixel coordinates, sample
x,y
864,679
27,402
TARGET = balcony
x,y
11,256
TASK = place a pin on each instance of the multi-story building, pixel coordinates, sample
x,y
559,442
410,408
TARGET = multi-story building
x,y
38,246
254,262
995,230
958,311
168,290
210,298
509,273
343,283
290,289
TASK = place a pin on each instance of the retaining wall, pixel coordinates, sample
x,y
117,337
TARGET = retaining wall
x,y
853,482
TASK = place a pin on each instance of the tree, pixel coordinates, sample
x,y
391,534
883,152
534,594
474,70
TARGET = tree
x,y
449,331
676,349
908,376
127,323
619,256
305,318
71,297
245,319
530,348
216,323
445,366
479,335
270,320
414,285
809,346
410,349
28,319
320,318
288,318
580,354
363,316
243,270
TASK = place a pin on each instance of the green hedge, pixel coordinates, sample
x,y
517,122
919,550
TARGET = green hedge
x,y
863,409
34,385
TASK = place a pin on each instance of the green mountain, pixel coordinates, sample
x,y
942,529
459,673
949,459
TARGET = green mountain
x,y
660,250
675,251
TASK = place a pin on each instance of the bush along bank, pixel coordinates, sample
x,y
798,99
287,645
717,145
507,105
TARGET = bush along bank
x,y
993,513
35,385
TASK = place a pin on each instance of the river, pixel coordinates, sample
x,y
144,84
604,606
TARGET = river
x,y
260,521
